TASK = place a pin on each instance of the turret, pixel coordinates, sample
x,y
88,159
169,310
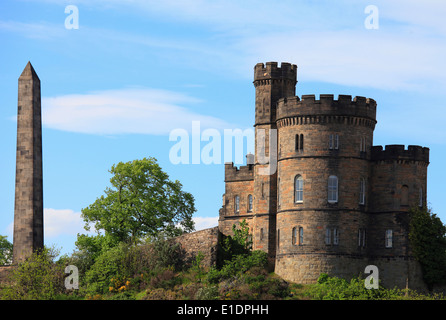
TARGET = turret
x,y
272,83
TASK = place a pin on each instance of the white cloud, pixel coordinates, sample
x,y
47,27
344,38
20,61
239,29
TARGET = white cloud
x,y
131,110
205,222
58,222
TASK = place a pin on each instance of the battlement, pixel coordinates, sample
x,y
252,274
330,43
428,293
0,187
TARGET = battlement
x,y
326,105
273,71
244,173
397,152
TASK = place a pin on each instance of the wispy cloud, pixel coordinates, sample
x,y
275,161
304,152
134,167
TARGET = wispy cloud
x,y
124,111
34,30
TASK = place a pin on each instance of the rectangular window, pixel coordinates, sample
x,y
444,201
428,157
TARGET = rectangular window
x,y
389,238
261,234
250,203
327,236
298,189
362,238
333,189
301,236
362,191
237,204
278,239
333,141
294,236
335,237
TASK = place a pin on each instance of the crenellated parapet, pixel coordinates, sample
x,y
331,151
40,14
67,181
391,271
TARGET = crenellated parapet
x,y
359,110
233,173
398,152
271,71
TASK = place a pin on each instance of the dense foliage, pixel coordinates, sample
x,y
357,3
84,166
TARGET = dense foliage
x,y
5,251
428,242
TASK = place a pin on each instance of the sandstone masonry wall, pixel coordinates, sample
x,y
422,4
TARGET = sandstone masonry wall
x,y
204,241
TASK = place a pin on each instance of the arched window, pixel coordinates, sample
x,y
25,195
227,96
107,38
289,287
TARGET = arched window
x,y
333,189
404,195
362,191
250,203
298,189
236,204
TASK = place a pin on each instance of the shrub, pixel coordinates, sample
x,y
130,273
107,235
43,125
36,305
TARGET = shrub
x,y
37,278
108,265
334,288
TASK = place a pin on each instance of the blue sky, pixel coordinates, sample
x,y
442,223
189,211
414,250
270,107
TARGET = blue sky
x,y
115,88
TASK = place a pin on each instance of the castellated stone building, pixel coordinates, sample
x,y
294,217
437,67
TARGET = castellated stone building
x,y
331,202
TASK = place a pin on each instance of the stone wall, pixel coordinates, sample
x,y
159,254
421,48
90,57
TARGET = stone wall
x,y
204,241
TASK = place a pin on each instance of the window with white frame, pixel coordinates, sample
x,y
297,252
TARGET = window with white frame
x,y
298,189
333,141
389,238
236,204
333,189
331,236
362,191
250,203
335,236
327,236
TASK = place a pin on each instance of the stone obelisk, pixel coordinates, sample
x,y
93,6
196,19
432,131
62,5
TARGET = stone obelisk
x,y
28,209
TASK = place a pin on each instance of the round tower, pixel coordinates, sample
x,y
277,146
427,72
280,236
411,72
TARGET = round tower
x,y
324,151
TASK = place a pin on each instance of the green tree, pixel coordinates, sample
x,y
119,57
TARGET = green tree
x,y
428,241
5,251
141,202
